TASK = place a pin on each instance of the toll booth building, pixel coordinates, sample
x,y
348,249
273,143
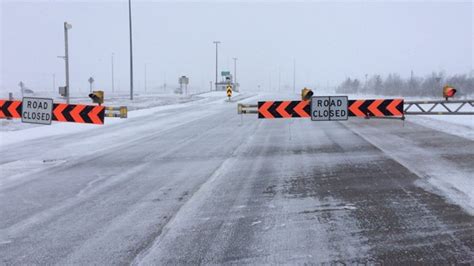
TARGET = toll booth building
x,y
226,78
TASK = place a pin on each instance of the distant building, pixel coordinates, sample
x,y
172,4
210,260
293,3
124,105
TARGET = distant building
x,y
227,78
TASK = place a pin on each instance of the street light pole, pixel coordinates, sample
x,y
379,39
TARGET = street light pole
x,y
217,44
235,71
112,64
66,58
131,48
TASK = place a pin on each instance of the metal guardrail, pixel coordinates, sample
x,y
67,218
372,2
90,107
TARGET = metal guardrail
x,y
247,108
454,107
430,107
121,112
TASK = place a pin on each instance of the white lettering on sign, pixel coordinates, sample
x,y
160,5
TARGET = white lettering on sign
x,y
329,108
37,110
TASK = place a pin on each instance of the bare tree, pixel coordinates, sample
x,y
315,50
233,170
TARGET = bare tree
x,y
395,85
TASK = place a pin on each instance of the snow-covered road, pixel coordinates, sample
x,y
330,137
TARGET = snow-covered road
x,y
196,183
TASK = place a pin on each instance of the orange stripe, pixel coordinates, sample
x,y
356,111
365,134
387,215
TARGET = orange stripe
x,y
282,111
392,107
94,115
264,110
57,112
354,108
373,108
75,113
299,109
2,115
12,109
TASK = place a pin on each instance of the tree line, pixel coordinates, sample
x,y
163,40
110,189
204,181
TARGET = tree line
x,y
394,84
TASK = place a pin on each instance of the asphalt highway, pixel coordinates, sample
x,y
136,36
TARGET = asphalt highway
x,y
201,184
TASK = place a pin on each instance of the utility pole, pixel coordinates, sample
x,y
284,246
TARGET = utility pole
x,y
66,58
164,83
145,77
294,75
131,48
112,65
437,85
279,79
217,44
270,81
22,88
235,71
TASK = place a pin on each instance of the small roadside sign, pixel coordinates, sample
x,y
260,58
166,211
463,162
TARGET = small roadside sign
x,y
184,80
229,90
37,110
329,108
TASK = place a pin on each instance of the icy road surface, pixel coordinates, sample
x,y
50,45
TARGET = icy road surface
x,y
196,183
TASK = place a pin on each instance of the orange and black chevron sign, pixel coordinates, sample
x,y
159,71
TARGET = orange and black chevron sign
x,y
76,113
283,109
377,107
359,108
11,109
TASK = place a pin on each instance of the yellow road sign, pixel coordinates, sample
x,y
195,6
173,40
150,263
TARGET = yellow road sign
x,y
229,90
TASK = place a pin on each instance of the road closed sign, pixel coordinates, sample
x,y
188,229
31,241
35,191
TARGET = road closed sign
x,y
37,110
329,108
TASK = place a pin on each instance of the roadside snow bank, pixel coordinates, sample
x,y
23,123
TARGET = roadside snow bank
x,y
55,129
439,174
459,125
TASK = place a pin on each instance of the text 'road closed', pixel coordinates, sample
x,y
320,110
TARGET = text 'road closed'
x,y
327,108
37,110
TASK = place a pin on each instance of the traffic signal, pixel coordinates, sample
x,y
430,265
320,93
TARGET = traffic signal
x,y
306,94
97,97
448,92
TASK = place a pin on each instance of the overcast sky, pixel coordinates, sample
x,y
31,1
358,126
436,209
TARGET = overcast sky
x,y
329,41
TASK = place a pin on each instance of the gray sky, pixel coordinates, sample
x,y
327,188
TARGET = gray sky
x,y
329,41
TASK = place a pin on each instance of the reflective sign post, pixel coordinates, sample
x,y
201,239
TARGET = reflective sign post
x,y
229,91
